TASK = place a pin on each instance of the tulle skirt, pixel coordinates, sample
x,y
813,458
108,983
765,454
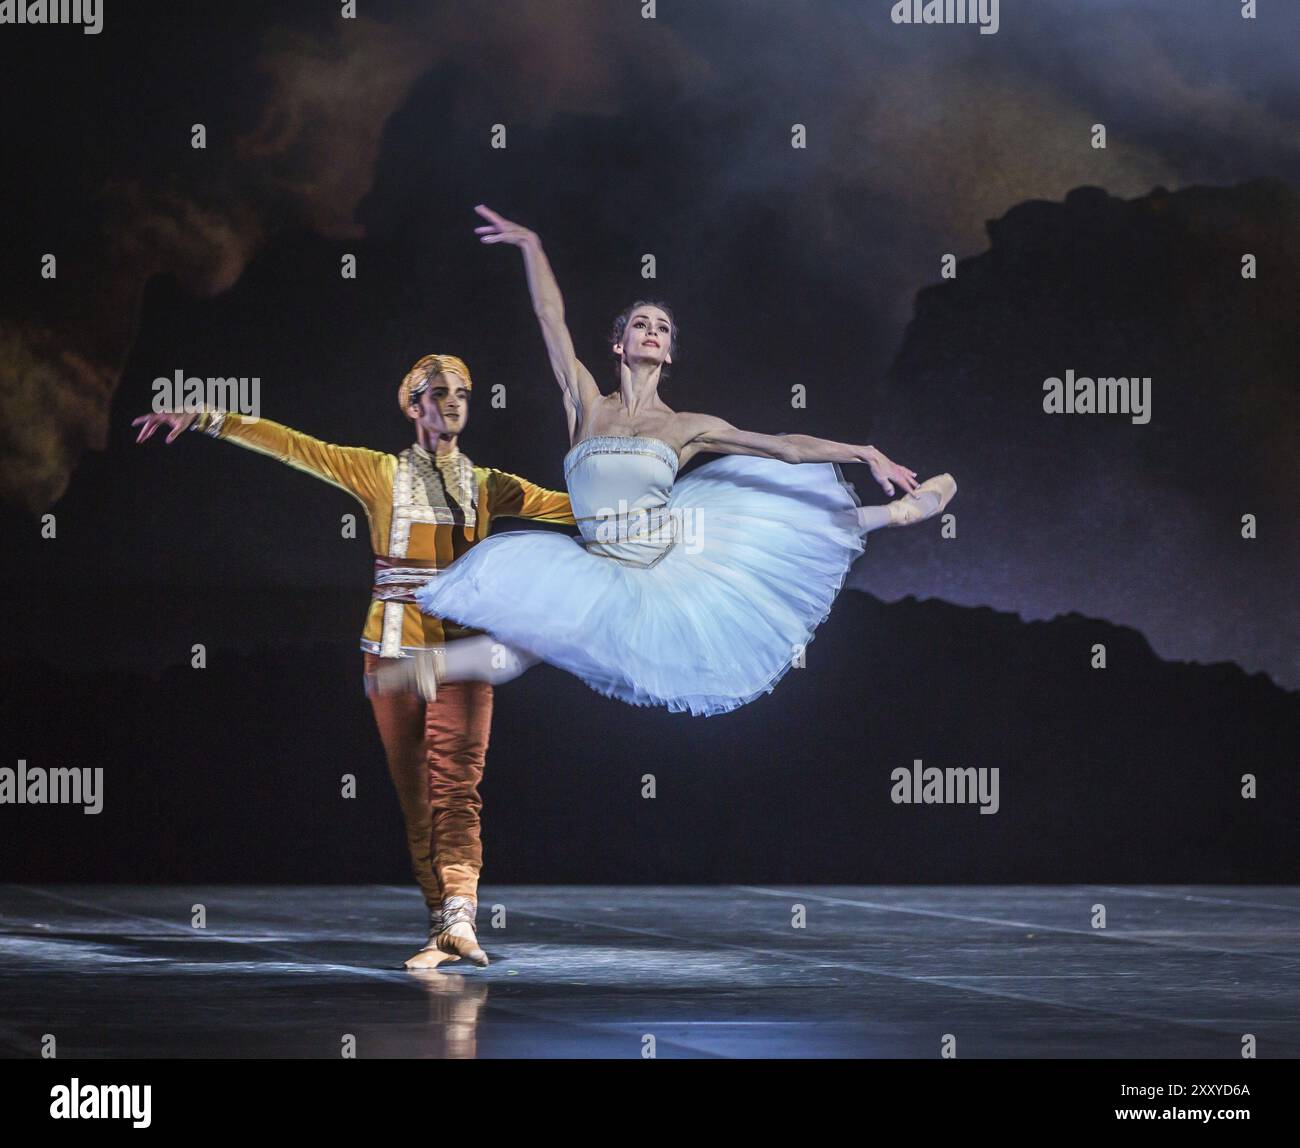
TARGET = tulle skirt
x,y
714,624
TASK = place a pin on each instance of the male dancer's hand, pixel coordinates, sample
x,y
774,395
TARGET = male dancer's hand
x,y
179,421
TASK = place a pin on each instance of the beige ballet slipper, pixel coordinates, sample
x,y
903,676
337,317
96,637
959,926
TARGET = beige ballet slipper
x,y
458,935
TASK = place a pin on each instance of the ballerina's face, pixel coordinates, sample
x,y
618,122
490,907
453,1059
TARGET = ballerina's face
x,y
444,405
648,337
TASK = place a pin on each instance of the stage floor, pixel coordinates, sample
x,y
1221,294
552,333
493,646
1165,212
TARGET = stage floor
x,y
706,971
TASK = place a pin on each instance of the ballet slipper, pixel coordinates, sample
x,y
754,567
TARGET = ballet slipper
x,y
911,509
430,957
458,935
459,939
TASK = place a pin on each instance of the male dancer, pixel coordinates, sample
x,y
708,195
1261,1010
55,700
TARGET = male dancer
x,y
426,507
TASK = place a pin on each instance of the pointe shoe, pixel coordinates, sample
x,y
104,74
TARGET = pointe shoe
x,y
910,509
417,674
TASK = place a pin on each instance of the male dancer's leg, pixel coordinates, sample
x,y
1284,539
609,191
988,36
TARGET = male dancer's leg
x,y
458,725
402,722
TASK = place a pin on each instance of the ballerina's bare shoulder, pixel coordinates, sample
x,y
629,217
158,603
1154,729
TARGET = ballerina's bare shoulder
x,y
678,429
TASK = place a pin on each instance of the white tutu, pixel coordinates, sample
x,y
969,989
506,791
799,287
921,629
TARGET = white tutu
x,y
706,622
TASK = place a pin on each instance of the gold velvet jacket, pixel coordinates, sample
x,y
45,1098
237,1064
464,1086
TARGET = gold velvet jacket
x,y
424,512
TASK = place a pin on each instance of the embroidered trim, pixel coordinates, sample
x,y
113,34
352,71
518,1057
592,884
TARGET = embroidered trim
x,y
405,575
436,478
404,594
622,444
411,504
630,561
403,651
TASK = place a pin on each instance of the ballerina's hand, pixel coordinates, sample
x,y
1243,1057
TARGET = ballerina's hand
x,y
501,230
886,472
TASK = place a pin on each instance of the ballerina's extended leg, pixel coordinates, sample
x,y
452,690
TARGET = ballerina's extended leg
x,y
480,659
924,502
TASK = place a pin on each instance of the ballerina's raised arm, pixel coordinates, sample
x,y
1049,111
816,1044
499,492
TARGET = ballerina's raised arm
x,y
698,433
575,380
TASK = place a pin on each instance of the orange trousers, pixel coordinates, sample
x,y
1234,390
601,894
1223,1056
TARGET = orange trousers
x,y
436,752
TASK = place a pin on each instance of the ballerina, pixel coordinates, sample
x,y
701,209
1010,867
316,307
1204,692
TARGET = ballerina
x,y
696,595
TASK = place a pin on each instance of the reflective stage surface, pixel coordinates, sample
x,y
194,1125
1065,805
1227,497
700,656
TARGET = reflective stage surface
x,y
703,971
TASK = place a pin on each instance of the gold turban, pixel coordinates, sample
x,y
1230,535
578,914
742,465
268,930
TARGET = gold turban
x,y
424,372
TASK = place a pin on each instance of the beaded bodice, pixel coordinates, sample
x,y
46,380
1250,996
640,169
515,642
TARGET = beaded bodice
x,y
619,486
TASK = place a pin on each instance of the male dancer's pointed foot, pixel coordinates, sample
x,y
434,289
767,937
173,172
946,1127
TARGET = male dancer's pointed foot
x,y
430,957
417,674
927,500
457,935
458,940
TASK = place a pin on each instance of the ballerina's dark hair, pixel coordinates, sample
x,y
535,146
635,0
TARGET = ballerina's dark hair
x,y
620,325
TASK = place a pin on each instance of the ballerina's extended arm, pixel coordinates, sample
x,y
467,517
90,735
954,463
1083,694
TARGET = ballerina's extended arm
x,y
575,380
710,434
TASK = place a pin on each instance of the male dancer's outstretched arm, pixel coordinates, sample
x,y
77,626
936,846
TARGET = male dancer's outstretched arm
x,y
362,472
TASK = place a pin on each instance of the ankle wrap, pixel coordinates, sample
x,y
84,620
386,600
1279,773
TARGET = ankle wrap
x,y
457,909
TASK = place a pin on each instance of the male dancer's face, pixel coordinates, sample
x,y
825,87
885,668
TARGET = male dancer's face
x,y
443,409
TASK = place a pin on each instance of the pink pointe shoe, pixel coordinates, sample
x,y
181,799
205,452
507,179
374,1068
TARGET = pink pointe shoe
x,y
915,507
